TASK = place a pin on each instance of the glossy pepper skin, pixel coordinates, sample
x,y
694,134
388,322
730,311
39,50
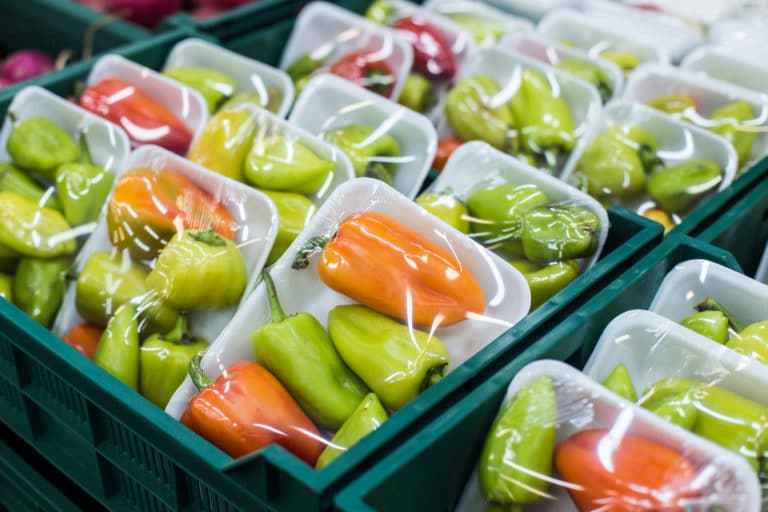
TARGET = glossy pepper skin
x,y
447,208
84,338
279,163
546,280
517,454
627,61
370,155
270,99
678,188
396,362
608,167
246,409
712,324
18,182
143,119
432,56
199,270
620,383
368,70
559,232
418,93
6,287
589,73
603,468
164,361
225,142
368,416
214,86
680,106
382,264
303,67
728,119
39,145
39,287
27,229
118,349
298,351
148,207
294,211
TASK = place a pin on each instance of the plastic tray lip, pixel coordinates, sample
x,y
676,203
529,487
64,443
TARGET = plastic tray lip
x,y
694,59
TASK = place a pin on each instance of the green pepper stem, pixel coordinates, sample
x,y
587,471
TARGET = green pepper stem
x,y
179,335
433,376
199,378
711,304
379,171
278,315
12,117
208,237
311,246
85,150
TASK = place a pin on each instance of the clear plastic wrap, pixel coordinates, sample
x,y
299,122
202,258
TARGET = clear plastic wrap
x,y
762,268
695,10
562,442
744,31
225,78
520,106
729,65
330,39
405,298
533,9
499,201
382,139
653,164
487,24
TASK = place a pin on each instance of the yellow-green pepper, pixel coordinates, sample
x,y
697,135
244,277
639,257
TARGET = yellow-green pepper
x,y
15,181
6,287
546,280
678,188
371,154
214,86
447,208
39,287
39,145
118,349
558,232
279,163
294,212
31,230
730,119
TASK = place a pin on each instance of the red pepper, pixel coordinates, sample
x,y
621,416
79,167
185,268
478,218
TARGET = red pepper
x,y
144,120
366,70
432,56
444,151
84,338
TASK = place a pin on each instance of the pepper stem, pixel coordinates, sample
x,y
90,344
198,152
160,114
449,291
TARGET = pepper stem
x,y
179,334
433,376
85,150
379,171
199,378
311,246
711,304
278,315
12,117
208,236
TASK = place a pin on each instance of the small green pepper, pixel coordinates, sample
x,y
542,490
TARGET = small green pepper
x,y
625,60
609,167
39,287
270,99
214,86
729,119
641,141
298,351
680,106
620,383
32,230
199,270
418,93
164,362
752,341
371,154
588,72
38,144
520,446
677,189
278,163
303,67
380,12
679,410
559,232
118,349
294,212
712,324
6,287
446,208
395,361
546,280
17,182
485,31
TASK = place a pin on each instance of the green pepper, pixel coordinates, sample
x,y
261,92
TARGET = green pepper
x,y
214,86
39,287
484,30
473,113
559,232
294,212
730,119
380,12
678,188
625,60
278,163
371,154
397,362
6,287
520,445
418,93
271,99
38,144
620,383
641,141
446,208
118,349
752,341
712,324
679,410
31,230
164,362
199,270
496,214
19,183
546,280
679,106
588,72
298,351
108,281
303,67
609,167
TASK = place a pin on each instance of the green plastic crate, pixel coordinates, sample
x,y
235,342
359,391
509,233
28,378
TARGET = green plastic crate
x,y
429,470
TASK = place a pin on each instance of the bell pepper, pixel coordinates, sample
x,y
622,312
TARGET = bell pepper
x,y
418,93
294,212
627,61
680,106
367,69
485,31
496,214
677,189
199,270
444,151
679,410
396,361
164,361
214,86
712,324
270,99
432,55
246,409
447,208
473,113
39,145
588,72
620,383
516,462
83,187
643,142
144,120
118,349
304,66
559,232
31,230
108,281
39,287
729,120
6,287
368,416
750,340
225,142
546,280
382,264
84,338
279,163
15,181
298,351
373,155
148,207
610,167
617,471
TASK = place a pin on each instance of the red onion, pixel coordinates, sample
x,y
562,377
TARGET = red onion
x,y
147,13
5,82
25,64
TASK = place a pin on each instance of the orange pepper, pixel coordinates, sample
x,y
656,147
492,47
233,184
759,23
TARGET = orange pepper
x,y
84,338
382,264
661,217
444,151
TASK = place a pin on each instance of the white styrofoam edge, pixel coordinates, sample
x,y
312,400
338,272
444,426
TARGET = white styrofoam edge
x,y
701,59
510,23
